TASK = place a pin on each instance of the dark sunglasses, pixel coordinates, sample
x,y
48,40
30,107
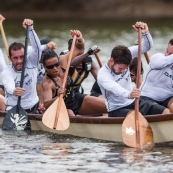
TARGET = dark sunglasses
x,y
54,65
132,75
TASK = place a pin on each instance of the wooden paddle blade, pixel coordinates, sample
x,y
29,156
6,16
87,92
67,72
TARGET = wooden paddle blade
x,y
63,118
49,116
129,134
16,119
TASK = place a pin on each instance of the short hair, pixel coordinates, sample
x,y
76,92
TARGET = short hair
x,y
15,46
48,54
121,55
63,52
44,41
134,66
171,42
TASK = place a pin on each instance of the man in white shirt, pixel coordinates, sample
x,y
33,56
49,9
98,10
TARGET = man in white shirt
x,y
115,82
12,74
158,83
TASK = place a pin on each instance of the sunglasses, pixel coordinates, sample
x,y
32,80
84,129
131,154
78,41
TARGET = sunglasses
x,y
132,75
52,66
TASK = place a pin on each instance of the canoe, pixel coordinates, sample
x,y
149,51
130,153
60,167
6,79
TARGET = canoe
x,y
105,128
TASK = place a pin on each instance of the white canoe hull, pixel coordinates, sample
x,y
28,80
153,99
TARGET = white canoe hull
x,y
105,128
112,132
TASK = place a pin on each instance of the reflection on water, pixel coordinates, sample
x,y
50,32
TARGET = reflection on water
x,y
45,152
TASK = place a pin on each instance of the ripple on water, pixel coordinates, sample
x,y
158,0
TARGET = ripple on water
x,y
47,152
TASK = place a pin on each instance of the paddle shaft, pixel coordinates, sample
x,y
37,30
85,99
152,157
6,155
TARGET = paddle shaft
x,y
98,60
64,81
24,62
4,37
135,129
147,57
145,54
137,86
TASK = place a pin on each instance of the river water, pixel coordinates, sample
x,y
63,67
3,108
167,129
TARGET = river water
x,y
46,152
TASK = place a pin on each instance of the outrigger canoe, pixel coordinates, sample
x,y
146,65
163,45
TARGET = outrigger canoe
x,y
105,128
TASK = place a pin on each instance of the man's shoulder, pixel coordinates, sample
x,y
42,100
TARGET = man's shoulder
x,y
156,55
104,69
46,81
103,73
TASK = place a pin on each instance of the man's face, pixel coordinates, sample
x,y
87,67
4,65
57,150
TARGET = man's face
x,y
119,68
169,50
17,59
133,76
53,67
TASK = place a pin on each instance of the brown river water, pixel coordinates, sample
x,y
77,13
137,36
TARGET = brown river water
x,y
37,152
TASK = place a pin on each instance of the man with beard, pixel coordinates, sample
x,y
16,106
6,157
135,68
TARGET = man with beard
x,y
115,82
11,75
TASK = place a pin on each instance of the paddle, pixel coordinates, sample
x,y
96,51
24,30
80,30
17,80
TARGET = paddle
x,y
136,131
56,116
16,118
145,54
3,33
98,60
147,57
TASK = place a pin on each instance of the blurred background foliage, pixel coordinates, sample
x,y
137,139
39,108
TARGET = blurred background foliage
x,y
87,9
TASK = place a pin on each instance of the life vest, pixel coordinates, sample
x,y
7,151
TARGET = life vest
x,y
70,95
